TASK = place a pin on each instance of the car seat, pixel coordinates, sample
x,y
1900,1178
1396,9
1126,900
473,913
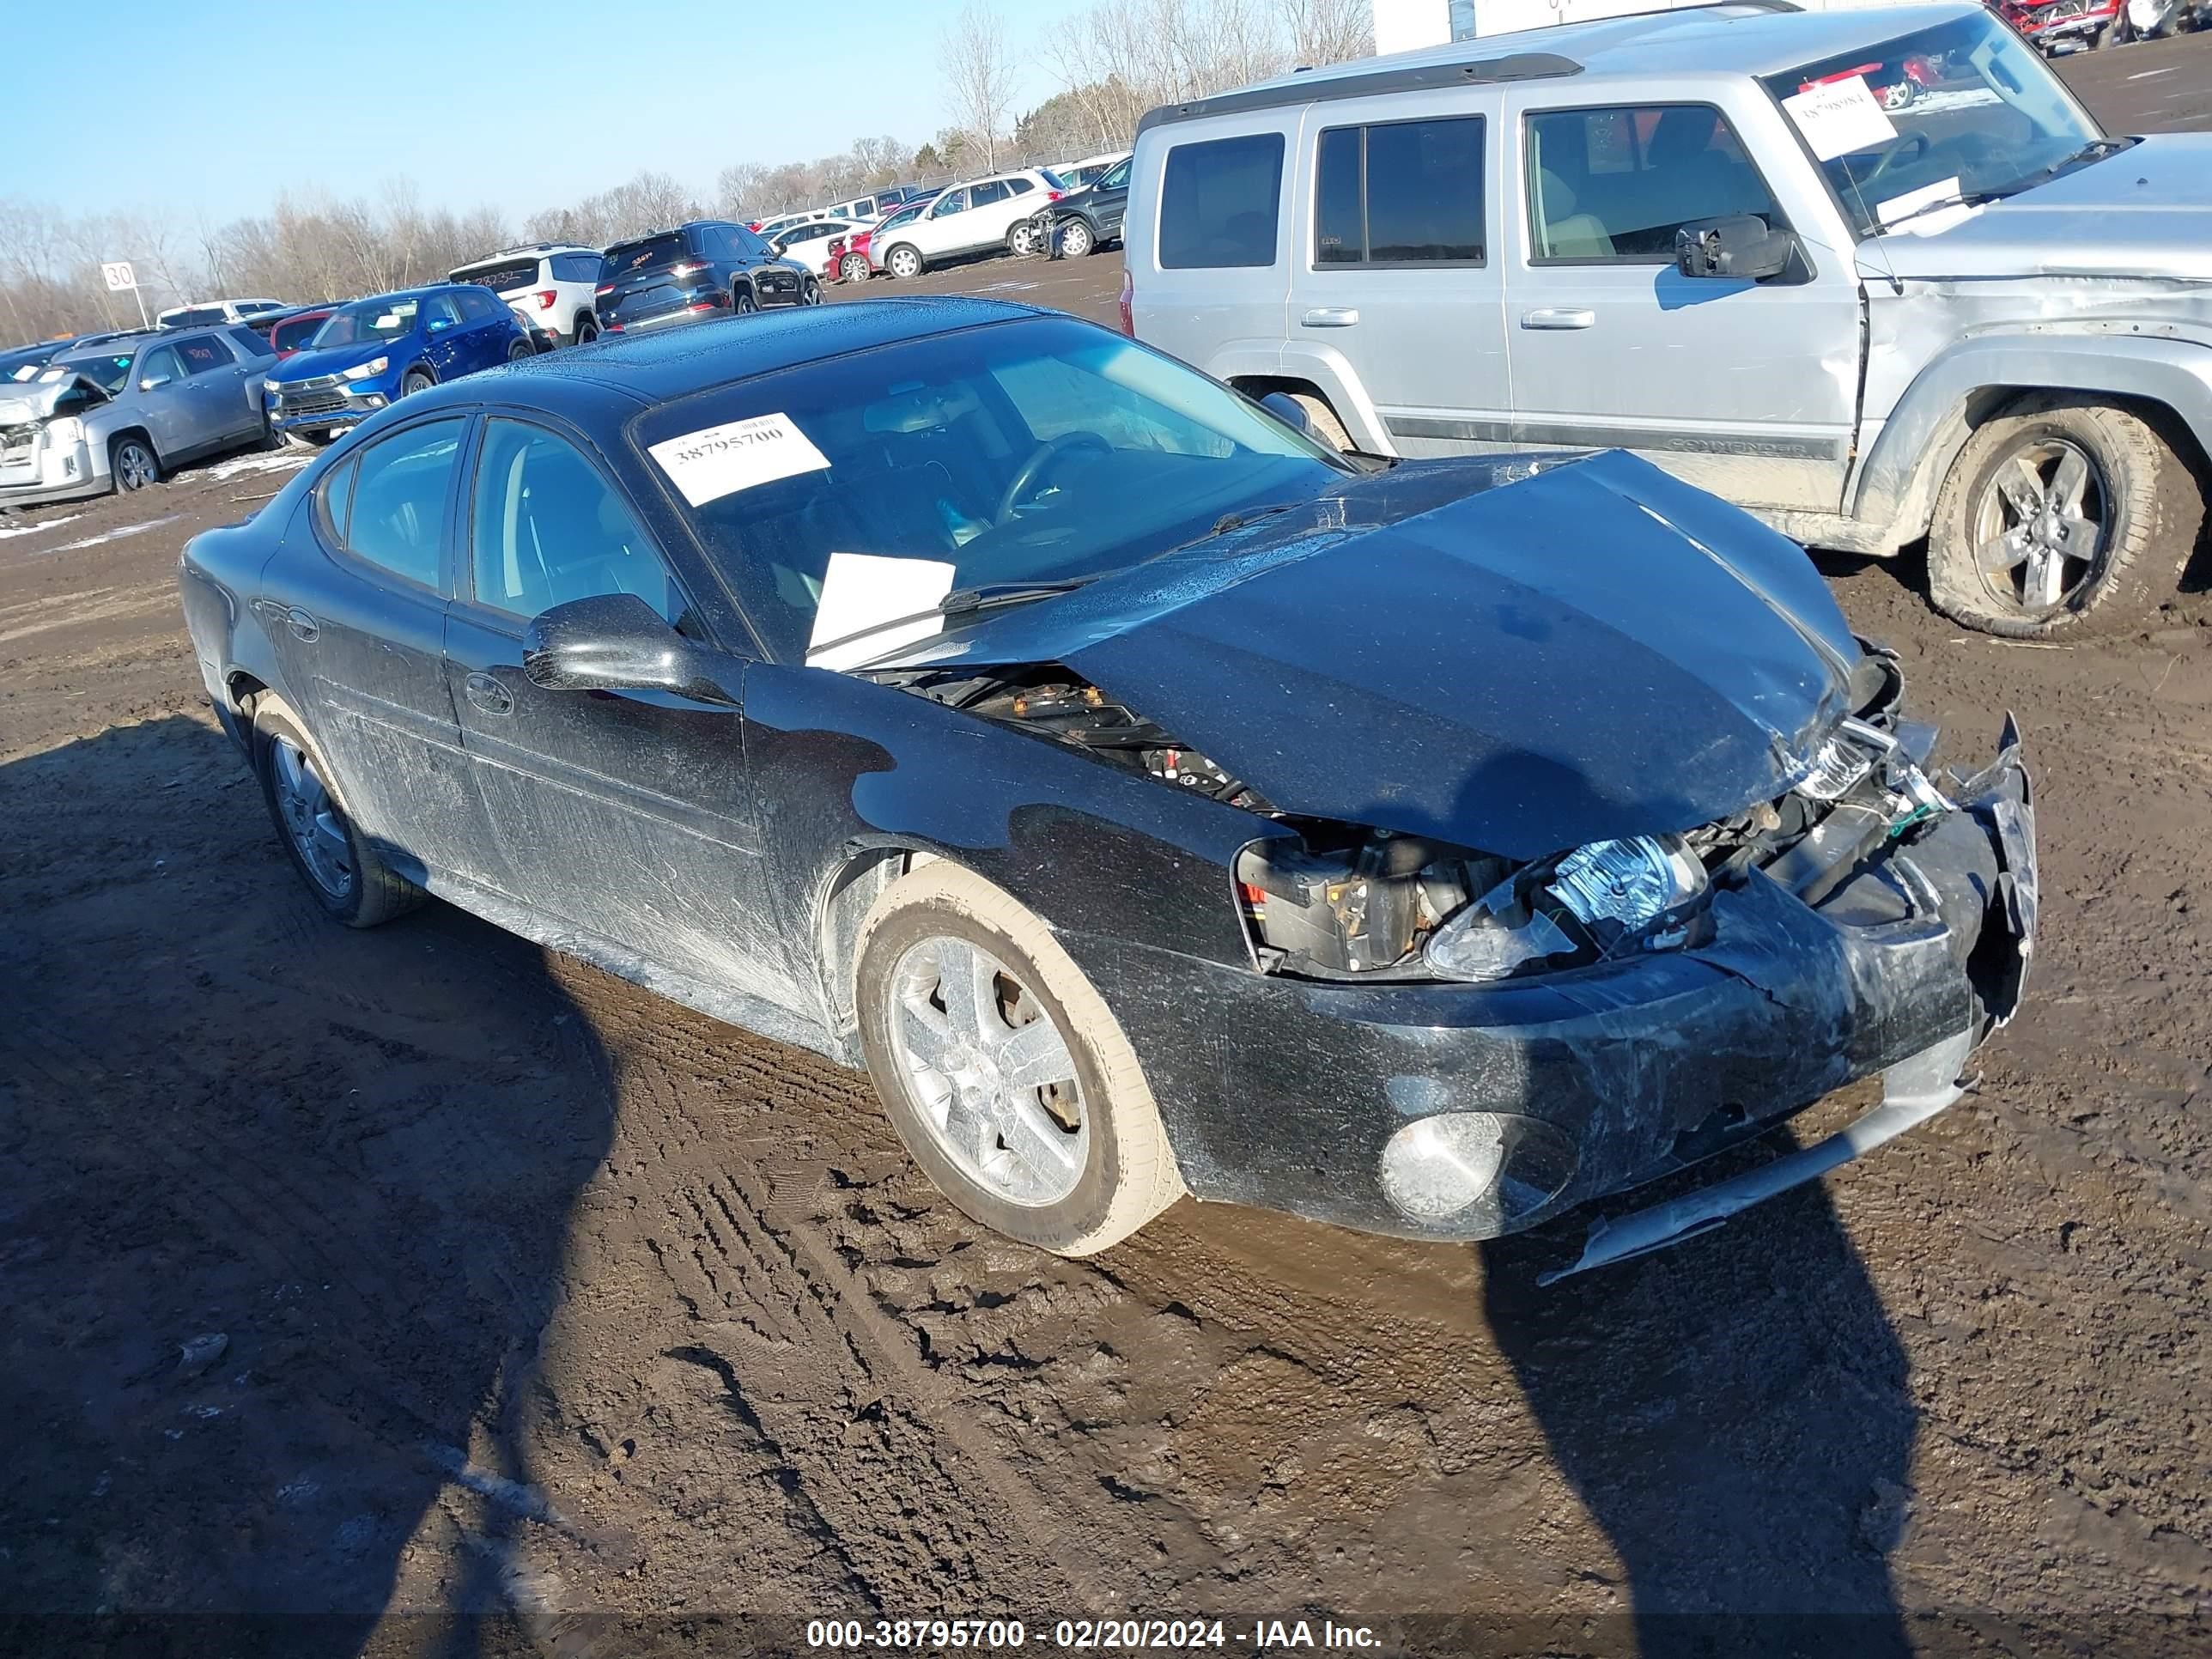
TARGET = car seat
x,y
1567,235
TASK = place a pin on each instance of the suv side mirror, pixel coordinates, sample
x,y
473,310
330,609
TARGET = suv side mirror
x,y
152,382
1290,411
617,642
1742,245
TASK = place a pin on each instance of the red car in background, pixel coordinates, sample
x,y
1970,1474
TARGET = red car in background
x,y
292,333
2048,24
849,259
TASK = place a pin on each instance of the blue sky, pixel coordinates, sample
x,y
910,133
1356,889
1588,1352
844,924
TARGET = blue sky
x,y
518,106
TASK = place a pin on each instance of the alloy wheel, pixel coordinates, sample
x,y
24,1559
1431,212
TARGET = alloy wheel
x,y
1075,240
905,262
2043,523
1024,238
134,466
855,268
810,293
312,820
742,301
990,1072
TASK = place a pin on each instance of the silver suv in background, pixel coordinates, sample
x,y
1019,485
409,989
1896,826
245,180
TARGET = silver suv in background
x,y
1709,237
550,285
120,415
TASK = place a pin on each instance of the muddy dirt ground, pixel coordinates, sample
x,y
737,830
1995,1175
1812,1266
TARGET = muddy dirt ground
x,y
416,1291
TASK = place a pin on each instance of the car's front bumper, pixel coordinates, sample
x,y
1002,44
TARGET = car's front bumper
x,y
40,470
325,402
1283,1093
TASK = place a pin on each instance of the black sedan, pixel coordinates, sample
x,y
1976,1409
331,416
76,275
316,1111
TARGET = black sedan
x,y
1151,799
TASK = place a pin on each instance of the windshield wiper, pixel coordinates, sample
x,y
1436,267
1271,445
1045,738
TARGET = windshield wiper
x,y
2095,150
961,602
1237,520
1964,199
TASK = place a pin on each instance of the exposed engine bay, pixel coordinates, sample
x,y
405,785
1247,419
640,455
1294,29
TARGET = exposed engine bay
x,y
1347,901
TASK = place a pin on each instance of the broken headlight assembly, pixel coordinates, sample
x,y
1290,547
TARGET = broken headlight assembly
x,y
1399,907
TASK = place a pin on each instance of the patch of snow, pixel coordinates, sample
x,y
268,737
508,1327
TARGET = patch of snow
x,y
112,535
280,461
10,528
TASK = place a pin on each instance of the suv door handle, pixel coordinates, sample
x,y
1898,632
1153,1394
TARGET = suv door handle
x,y
1555,316
1330,316
488,695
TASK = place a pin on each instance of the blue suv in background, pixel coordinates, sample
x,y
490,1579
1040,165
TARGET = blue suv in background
x,y
374,352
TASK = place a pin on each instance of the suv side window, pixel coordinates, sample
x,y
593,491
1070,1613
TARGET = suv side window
x,y
1611,186
546,527
478,307
398,517
250,344
160,363
203,354
1021,187
1221,201
990,192
952,202
1118,177
575,268
1404,192
439,309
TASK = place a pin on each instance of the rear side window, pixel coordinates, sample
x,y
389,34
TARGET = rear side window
x,y
203,354
576,267
251,341
501,277
1611,186
398,521
1020,186
1405,192
337,497
1220,203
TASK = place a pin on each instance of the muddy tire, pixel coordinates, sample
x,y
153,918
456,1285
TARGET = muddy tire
x,y
1326,427
133,464
967,1003
340,868
2062,515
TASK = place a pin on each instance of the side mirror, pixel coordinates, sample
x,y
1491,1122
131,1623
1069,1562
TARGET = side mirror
x,y
617,642
438,323
153,383
1741,245
1289,411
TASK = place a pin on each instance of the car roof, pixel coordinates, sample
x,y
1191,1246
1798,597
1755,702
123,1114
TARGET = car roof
x,y
657,367
1739,36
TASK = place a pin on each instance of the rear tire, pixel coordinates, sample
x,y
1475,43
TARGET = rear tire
x,y
742,303
2088,489
1096,1183
854,269
1021,240
340,868
585,332
520,351
904,261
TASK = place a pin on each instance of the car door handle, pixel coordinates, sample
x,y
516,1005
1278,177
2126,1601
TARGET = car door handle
x,y
487,694
303,626
1330,316
1556,317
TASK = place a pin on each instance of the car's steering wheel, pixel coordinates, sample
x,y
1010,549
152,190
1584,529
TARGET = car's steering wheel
x,y
1916,143
1030,471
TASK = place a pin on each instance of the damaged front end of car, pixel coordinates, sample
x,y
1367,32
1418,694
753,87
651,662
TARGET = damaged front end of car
x,y
1554,889
46,452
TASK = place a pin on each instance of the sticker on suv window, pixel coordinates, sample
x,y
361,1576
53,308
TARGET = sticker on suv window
x,y
720,460
1841,116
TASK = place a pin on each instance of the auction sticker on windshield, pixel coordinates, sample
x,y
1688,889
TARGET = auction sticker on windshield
x,y
1840,117
720,460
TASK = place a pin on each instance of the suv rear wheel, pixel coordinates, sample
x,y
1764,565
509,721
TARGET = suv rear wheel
x,y
587,331
903,261
342,870
1002,1068
853,268
2062,515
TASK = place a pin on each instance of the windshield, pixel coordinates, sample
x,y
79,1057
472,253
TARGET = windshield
x,y
293,333
1027,451
1965,108
372,320
110,373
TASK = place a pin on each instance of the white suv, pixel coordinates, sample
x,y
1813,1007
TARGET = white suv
x,y
983,213
551,286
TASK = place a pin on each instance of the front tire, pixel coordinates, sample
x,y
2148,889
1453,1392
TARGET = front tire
x,y
133,464
340,868
417,380
903,261
1002,1068
1075,240
2062,515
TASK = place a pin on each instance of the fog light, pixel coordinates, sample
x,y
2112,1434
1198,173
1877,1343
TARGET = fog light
x,y
1437,1167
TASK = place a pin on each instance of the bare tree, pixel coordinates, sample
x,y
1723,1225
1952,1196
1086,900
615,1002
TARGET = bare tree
x,y
979,74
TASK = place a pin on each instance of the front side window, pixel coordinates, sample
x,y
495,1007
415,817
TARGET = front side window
x,y
1118,178
293,333
371,319
1403,192
439,310
160,364
1966,109
1040,450
398,517
1221,201
952,202
546,527
1612,186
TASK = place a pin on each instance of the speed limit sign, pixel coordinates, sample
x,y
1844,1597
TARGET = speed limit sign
x,y
119,276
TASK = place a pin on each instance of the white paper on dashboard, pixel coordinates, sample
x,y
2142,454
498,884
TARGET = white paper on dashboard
x,y
1913,201
862,591
1840,117
720,460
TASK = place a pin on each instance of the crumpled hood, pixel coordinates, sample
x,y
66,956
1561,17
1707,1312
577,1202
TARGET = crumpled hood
x,y
1598,650
22,401
305,365
2146,212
